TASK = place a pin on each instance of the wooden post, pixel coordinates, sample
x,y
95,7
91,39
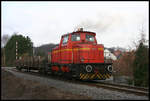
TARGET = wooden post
x,y
4,56
16,50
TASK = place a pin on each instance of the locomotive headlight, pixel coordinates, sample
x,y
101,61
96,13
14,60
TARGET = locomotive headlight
x,y
88,68
110,68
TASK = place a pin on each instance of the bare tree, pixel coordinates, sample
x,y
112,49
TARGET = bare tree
x,y
141,39
142,36
5,39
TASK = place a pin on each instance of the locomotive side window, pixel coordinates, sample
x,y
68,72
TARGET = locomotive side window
x,y
89,37
65,39
75,37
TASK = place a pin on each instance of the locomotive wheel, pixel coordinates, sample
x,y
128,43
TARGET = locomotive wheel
x,y
28,68
40,70
88,68
109,68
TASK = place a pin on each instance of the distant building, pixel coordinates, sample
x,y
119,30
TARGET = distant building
x,y
117,53
109,55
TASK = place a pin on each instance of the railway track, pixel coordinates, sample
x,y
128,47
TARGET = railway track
x,y
111,86
123,88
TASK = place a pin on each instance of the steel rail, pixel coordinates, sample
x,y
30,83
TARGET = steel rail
x,y
126,86
122,89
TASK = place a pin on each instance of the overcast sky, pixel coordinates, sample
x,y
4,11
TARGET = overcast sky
x,y
115,23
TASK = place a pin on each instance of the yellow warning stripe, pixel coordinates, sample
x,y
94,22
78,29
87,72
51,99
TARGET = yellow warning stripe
x,y
65,50
107,75
98,76
104,76
91,76
75,49
100,49
101,75
88,76
81,76
85,76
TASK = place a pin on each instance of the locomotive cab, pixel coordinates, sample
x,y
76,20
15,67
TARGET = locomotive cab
x,y
85,48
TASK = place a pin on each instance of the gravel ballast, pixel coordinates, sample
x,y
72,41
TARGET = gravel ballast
x,y
92,92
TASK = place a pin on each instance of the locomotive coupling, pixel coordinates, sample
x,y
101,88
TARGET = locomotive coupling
x,y
110,68
88,68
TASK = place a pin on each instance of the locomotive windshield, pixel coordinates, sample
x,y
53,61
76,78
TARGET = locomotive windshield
x,y
90,37
75,37
65,39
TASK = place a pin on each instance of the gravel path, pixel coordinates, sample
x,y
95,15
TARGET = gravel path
x,y
95,93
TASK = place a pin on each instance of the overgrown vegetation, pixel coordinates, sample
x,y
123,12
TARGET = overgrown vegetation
x,y
141,63
135,63
24,46
141,66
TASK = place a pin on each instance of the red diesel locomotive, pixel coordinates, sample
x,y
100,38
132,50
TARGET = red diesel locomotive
x,y
78,55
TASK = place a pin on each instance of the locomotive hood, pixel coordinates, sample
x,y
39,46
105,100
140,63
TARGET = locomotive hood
x,y
89,53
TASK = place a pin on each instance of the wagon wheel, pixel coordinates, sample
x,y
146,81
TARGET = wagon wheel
x,y
19,68
40,70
